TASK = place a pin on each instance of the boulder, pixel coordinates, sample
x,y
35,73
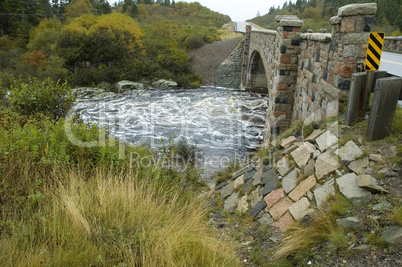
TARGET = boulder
x,y
242,205
349,223
289,182
274,197
265,219
231,203
302,188
300,209
393,235
349,188
125,86
227,190
326,140
359,166
301,155
164,84
280,208
325,164
349,152
88,92
288,142
324,192
258,208
369,183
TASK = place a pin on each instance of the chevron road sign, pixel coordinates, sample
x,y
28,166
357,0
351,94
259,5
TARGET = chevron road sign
x,y
374,50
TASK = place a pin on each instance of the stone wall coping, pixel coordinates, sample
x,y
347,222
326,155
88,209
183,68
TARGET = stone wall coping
x,y
280,17
335,20
398,38
320,37
357,9
291,22
265,31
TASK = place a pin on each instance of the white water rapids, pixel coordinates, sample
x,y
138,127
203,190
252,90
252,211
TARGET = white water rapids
x,y
223,123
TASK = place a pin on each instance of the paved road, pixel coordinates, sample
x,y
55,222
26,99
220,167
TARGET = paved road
x,y
392,63
240,26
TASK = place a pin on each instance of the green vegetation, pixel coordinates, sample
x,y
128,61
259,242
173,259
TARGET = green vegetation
x,y
316,14
63,204
298,248
87,42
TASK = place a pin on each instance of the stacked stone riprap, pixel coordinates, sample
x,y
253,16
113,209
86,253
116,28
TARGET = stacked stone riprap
x,y
306,172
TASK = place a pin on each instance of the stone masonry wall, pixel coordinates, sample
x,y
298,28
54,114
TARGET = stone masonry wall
x,y
309,75
393,44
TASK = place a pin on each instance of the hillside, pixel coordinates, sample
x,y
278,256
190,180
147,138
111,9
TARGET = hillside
x,y
316,14
89,42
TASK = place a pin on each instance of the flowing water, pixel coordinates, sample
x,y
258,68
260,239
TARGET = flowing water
x,y
223,123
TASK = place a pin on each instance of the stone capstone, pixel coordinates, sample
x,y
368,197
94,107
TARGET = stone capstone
x,y
357,9
302,188
335,20
349,188
291,22
300,209
369,183
325,164
324,192
230,203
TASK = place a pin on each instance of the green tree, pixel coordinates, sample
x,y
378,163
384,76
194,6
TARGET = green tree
x,y
77,8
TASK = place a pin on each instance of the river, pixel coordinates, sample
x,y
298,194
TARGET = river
x,y
223,123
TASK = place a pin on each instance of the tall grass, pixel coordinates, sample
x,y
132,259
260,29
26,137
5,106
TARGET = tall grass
x,y
83,207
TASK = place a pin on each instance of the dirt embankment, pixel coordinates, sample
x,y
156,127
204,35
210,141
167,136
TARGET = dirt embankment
x,y
207,59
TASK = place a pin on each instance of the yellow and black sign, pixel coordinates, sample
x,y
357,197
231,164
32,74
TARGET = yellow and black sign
x,y
374,50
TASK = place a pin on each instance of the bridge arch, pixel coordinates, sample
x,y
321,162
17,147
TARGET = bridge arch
x,y
257,78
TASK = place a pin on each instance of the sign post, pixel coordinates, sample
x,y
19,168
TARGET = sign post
x,y
374,50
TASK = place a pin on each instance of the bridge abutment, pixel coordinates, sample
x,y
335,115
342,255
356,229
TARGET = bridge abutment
x,y
308,75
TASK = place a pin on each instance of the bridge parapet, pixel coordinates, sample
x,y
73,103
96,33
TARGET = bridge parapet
x,y
307,75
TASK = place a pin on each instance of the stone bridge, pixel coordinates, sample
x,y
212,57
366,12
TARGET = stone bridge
x,y
306,75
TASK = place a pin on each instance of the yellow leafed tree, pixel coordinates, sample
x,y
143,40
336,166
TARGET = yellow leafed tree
x,y
77,8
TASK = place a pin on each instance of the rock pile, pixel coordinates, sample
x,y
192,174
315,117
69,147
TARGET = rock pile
x,y
303,175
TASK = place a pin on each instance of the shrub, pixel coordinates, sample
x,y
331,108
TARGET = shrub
x,y
46,97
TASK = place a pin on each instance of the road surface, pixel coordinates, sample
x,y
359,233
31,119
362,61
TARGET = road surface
x,y
392,63
240,26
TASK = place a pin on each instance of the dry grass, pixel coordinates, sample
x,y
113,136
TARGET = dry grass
x,y
112,220
303,240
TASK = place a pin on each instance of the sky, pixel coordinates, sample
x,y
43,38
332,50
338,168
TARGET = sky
x,y
241,10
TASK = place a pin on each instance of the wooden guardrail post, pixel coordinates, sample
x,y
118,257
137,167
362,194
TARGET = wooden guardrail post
x,y
386,94
356,93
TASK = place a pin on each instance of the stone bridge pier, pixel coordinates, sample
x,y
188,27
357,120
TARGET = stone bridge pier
x,y
306,76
